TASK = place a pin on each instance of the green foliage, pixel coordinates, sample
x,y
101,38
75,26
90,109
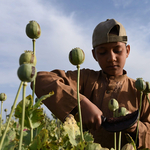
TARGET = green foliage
x,y
33,115
48,134
33,118
72,130
9,142
40,140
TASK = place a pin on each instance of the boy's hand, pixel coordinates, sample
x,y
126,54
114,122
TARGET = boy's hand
x,y
91,114
133,128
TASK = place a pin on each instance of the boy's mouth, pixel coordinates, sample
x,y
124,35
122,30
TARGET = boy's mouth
x,y
112,66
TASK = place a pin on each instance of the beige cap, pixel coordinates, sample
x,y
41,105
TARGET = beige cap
x,y
102,34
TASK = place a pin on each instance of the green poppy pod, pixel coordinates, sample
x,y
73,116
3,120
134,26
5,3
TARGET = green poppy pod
x,y
76,56
36,100
27,72
122,111
140,84
33,30
113,104
5,110
147,90
3,97
27,57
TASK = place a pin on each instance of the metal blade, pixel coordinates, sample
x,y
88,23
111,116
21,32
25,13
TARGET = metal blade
x,y
120,123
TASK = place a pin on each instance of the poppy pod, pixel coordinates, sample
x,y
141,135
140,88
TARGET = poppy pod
x,y
140,84
76,56
3,97
27,57
113,104
122,111
147,90
27,72
33,30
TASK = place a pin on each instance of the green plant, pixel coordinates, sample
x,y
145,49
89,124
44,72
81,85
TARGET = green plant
x,y
3,97
147,90
76,57
140,86
113,106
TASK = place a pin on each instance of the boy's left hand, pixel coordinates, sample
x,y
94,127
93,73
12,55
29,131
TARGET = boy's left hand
x,y
132,128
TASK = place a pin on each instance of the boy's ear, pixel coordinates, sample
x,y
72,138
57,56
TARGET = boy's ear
x,y
128,50
94,55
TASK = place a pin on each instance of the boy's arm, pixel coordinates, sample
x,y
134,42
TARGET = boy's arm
x,y
64,100
91,114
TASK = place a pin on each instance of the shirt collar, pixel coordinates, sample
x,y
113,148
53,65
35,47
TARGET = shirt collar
x,y
118,78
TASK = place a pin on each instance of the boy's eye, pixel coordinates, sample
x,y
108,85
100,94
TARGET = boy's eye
x,y
101,53
117,51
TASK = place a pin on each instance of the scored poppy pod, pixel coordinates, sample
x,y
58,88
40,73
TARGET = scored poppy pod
x,y
113,104
27,57
3,97
33,30
122,111
27,72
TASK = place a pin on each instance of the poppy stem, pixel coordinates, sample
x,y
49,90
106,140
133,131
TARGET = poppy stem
x,y
1,117
141,93
23,114
79,108
114,133
119,145
33,91
12,110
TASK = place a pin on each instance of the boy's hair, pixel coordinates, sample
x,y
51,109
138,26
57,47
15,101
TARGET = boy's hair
x,y
109,31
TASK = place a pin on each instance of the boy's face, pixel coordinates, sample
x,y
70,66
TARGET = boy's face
x,y
111,57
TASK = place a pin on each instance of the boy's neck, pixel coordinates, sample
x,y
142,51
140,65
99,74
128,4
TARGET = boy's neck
x,y
115,76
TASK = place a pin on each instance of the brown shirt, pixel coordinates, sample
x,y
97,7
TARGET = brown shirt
x,y
99,89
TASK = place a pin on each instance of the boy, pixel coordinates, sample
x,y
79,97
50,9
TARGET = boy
x,y
110,50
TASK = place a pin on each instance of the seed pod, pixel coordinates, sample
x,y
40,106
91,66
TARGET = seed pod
x,y
5,110
140,84
36,100
76,56
113,104
122,111
33,30
3,97
147,90
27,57
27,72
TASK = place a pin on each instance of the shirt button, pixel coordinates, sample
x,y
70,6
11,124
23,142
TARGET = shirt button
x,y
107,91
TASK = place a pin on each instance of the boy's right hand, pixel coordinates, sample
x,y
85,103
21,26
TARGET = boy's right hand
x,y
91,114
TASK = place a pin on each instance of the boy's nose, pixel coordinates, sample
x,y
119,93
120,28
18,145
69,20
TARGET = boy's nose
x,y
111,57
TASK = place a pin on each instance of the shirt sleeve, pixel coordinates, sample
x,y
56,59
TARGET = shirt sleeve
x,y
64,86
